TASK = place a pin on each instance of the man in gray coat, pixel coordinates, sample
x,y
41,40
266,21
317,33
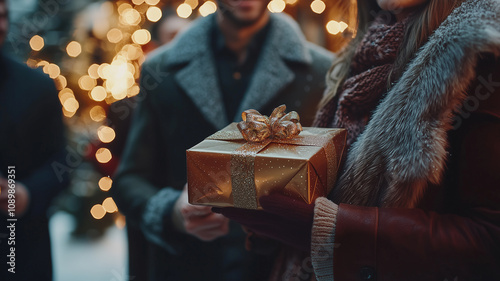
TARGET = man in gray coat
x,y
239,58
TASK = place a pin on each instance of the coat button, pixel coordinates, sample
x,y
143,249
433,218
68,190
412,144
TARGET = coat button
x,y
367,273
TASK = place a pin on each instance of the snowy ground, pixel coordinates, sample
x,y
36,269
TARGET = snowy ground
x,y
102,259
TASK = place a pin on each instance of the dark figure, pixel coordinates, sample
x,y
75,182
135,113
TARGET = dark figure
x,y
31,142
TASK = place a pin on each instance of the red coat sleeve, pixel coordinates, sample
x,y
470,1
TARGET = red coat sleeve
x,y
462,243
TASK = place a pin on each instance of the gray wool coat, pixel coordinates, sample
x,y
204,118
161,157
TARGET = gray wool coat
x,y
179,105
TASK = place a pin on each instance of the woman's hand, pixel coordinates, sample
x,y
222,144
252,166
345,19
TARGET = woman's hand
x,y
282,218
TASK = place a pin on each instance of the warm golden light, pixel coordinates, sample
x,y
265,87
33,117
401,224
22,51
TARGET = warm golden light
x,y
65,94
152,2
132,51
333,27
97,113
291,2
207,8
343,26
153,14
276,6
133,91
101,70
106,134
141,36
36,43
137,2
42,63
114,35
53,70
98,93
98,211
93,71
318,6
131,17
120,221
103,155
86,83
123,7
184,10
60,82
31,63
71,104
74,49
192,3
67,113
105,183
109,205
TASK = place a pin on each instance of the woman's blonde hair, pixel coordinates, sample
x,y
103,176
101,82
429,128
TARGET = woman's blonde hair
x,y
420,26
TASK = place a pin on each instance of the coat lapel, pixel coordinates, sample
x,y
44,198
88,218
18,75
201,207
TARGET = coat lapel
x,y
270,76
198,76
284,42
199,80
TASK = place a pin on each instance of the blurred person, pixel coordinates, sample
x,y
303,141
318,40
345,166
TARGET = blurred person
x,y
241,57
419,195
32,140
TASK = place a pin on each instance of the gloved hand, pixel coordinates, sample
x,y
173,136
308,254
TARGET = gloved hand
x,y
283,218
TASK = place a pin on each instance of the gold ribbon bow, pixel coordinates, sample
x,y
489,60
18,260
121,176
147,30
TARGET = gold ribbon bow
x,y
256,127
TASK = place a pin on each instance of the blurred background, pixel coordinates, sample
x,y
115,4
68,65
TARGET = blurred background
x,y
93,50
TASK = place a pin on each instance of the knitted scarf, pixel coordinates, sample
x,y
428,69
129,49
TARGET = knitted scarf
x,y
367,81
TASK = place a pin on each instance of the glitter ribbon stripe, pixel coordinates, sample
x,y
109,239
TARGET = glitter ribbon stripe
x,y
243,160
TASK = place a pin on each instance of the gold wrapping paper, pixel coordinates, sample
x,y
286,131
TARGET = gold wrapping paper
x,y
226,171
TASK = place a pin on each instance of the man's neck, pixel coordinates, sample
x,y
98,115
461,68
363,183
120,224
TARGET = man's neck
x,y
237,38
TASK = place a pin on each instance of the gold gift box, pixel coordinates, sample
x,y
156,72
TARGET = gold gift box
x,y
226,171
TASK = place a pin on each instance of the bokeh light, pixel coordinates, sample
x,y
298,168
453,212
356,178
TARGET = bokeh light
x,y
184,10
52,70
103,155
93,71
106,134
74,49
276,6
141,36
97,113
130,17
109,205
98,211
192,3
105,183
98,93
334,27
86,83
114,35
318,6
37,43
153,14
207,8
152,2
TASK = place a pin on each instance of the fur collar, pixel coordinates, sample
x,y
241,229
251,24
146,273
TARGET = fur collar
x,y
403,148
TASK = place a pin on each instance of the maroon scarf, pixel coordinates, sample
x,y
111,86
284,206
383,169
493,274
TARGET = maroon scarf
x,y
367,81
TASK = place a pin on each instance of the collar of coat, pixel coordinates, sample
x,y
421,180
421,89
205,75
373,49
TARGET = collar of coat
x,y
191,53
403,148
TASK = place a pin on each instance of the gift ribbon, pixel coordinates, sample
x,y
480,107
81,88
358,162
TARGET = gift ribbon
x,y
243,160
256,127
